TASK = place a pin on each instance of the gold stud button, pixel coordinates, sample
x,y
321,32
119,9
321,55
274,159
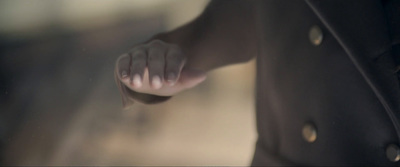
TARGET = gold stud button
x,y
315,35
309,132
393,153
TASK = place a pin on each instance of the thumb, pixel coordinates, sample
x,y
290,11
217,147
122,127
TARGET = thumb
x,y
190,78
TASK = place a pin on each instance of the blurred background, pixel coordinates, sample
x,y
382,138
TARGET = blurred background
x,y
59,104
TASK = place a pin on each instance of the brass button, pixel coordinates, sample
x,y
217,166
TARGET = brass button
x,y
315,35
309,132
393,153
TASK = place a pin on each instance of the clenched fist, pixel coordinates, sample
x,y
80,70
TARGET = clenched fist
x,y
156,68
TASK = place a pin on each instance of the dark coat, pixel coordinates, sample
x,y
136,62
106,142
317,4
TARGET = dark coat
x,y
346,87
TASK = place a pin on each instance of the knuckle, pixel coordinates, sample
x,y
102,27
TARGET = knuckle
x,y
138,55
175,49
156,43
157,52
123,57
139,52
174,56
172,69
173,64
138,65
156,56
122,60
156,64
174,46
177,58
138,48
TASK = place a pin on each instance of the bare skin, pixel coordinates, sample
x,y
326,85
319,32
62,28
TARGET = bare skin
x,y
164,63
172,62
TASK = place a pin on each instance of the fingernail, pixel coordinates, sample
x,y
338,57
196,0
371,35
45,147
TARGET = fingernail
x,y
156,82
137,81
124,74
171,79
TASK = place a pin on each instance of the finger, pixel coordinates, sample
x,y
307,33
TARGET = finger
x,y
156,63
138,64
122,66
126,102
175,60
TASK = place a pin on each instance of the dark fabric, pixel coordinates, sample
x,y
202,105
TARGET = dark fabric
x,y
363,32
347,86
392,9
264,157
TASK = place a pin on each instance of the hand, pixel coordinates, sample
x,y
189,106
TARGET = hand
x,y
157,68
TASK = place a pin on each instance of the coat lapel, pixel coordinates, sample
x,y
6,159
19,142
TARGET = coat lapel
x,y
361,29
